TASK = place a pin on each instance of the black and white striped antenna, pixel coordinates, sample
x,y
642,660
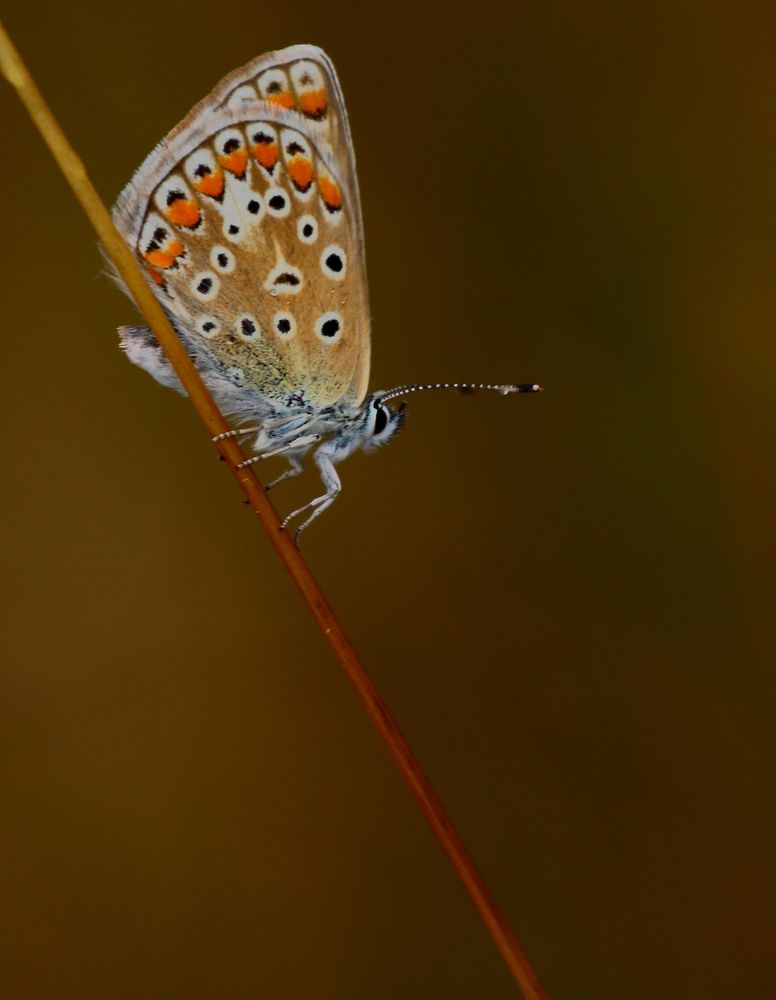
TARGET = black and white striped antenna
x,y
465,387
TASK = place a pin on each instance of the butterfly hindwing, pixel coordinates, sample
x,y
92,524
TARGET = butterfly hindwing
x,y
247,221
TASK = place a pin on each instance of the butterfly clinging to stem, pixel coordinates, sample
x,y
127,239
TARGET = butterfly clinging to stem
x,y
247,221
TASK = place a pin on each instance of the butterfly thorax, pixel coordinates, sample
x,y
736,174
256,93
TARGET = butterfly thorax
x,y
344,426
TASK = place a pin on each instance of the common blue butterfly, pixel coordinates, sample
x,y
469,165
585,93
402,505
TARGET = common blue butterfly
x,y
247,221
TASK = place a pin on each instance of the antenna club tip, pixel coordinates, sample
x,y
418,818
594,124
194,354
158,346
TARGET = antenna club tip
x,y
526,387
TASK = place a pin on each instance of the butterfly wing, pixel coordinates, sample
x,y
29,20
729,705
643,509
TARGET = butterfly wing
x,y
247,220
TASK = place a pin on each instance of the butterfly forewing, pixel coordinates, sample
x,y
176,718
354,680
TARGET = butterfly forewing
x,y
247,221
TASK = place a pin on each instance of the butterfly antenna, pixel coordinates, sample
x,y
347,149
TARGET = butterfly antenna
x,y
464,387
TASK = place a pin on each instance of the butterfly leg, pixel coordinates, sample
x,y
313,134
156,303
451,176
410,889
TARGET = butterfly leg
x,y
297,468
286,423
333,486
235,432
303,442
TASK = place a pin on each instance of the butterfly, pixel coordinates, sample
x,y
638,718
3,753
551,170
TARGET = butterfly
x,y
247,221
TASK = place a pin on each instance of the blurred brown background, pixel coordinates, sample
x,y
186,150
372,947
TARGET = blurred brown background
x,y
566,599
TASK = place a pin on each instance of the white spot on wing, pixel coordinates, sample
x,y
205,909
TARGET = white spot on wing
x,y
233,229
284,324
226,139
155,234
223,259
304,223
333,217
243,93
199,164
277,201
272,82
294,144
328,327
205,285
290,140
306,76
334,262
284,279
247,326
258,133
169,191
254,206
207,326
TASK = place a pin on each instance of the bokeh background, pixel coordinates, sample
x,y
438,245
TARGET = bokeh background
x,y
566,600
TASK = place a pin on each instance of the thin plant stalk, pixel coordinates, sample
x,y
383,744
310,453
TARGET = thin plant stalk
x,y
75,173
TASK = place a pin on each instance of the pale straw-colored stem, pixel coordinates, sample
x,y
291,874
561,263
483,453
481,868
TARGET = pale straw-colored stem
x,y
73,169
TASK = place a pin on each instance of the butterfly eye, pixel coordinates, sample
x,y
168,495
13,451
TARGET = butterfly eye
x,y
333,262
381,419
307,229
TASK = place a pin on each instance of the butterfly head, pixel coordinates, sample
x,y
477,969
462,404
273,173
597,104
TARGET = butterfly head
x,y
380,422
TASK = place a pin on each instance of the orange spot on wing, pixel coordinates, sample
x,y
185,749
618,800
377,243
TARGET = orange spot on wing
x,y
184,213
331,194
155,276
211,184
313,103
266,153
301,172
235,162
283,98
160,259
165,258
